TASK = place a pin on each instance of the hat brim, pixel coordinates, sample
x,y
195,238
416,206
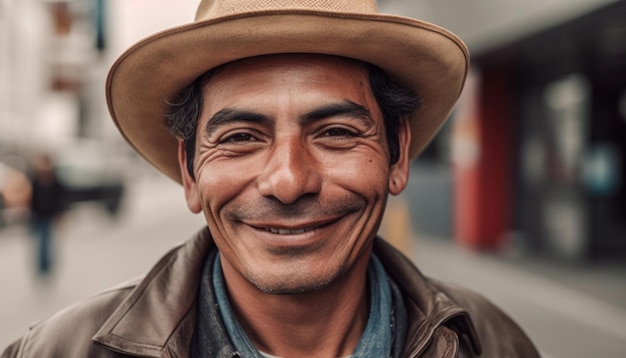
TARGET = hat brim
x,y
421,56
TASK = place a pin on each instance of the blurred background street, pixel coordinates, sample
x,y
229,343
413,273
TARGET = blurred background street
x,y
93,251
522,195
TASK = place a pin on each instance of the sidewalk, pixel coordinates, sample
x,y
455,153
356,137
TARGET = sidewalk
x,y
602,280
567,310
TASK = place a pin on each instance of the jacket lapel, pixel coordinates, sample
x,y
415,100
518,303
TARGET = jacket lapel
x,y
158,317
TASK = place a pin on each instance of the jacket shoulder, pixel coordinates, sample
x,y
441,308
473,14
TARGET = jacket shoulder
x,y
499,335
68,333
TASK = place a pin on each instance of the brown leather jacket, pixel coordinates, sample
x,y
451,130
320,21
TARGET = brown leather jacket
x,y
155,316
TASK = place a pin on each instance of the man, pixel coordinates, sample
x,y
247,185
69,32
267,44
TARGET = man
x,y
46,206
292,123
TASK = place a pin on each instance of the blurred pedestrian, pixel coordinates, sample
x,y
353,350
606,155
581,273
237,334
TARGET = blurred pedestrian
x,y
287,123
15,190
46,205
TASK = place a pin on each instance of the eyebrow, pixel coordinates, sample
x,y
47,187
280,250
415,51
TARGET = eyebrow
x,y
231,115
345,108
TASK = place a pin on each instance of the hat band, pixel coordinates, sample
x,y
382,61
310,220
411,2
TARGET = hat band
x,y
210,9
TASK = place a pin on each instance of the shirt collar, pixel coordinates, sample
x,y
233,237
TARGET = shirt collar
x,y
376,340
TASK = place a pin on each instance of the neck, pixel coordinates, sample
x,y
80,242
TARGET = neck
x,y
325,323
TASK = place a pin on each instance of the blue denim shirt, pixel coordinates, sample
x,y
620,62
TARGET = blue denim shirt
x,y
383,335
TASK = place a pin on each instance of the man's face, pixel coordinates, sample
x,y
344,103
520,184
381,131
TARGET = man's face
x,y
292,170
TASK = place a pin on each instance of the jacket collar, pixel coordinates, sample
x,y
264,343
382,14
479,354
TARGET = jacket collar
x,y
427,304
158,317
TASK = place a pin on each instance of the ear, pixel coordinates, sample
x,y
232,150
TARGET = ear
x,y
189,183
399,172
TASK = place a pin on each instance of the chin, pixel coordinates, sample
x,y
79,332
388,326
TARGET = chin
x,y
293,283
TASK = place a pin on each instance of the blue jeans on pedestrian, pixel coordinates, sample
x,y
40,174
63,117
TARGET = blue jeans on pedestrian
x,y
43,234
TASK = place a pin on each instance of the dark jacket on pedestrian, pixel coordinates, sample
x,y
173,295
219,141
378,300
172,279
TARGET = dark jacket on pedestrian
x,y
156,316
48,195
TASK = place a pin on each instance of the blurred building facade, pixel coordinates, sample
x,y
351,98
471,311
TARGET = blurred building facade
x,y
53,64
536,151
51,88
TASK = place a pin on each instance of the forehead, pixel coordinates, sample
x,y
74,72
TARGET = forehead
x,y
319,62
335,74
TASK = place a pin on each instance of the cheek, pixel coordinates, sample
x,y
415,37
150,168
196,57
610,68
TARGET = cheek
x,y
366,175
219,185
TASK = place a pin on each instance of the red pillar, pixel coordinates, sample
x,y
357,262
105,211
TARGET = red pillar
x,y
483,142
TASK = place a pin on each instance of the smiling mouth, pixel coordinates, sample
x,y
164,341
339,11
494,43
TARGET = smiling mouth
x,y
295,229
288,231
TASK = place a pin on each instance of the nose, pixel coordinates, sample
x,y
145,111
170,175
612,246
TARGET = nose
x,y
291,171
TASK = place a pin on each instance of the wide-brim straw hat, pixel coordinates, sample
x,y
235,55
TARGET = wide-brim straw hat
x,y
421,56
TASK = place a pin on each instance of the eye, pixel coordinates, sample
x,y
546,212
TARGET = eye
x,y
238,137
339,132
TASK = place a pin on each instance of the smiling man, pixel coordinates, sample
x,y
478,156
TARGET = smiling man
x,y
292,171
288,124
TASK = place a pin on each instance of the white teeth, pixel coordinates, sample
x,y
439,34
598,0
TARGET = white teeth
x,y
286,231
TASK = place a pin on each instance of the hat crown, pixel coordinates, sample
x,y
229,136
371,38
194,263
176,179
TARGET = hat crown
x,y
209,9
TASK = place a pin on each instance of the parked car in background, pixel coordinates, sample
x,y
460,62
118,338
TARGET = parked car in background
x,y
89,175
87,170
